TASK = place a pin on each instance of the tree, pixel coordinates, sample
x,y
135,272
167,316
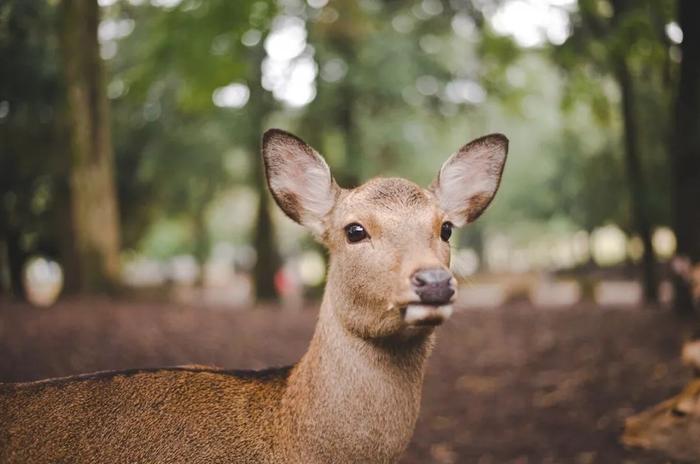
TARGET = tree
x,y
685,149
623,40
635,175
33,190
362,112
93,204
173,161
268,259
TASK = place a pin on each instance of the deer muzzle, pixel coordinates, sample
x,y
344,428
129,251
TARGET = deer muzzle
x,y
435,289
433,286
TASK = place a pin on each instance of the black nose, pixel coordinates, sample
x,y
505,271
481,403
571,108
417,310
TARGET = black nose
x,y
433,286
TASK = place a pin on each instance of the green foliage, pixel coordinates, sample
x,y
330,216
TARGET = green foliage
x,y
187,51
32,182
400,86
607,35
172,144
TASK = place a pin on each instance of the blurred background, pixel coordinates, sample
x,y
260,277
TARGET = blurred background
x,y
133,207
130,135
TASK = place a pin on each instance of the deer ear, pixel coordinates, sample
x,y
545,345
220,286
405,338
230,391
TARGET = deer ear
x,y
468,180
299,179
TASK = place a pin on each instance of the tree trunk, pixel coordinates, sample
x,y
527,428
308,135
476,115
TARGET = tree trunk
x,y
268,259
349,174
635,179
15,264
63,223
685,150
95,222
4,271
202,244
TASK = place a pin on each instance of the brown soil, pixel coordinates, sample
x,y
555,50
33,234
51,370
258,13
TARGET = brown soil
x,y
515,385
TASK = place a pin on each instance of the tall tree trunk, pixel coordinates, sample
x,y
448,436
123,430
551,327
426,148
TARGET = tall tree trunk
x,y
202,244
349,174
635,177
63,224
16,257
4,271
685,149
268,259
95,221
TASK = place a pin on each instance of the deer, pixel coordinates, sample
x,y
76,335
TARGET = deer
x,y
354,396
672,426
683,268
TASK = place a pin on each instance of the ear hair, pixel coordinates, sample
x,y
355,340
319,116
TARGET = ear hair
x,y
469,179
299,179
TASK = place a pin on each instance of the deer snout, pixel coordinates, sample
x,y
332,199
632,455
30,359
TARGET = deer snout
x,y
433,286
632,435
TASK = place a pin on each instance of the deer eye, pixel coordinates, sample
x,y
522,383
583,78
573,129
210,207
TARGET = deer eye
x,y
675,412
446,231
355,232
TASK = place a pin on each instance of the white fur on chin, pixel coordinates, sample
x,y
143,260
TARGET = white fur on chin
x,y
418,312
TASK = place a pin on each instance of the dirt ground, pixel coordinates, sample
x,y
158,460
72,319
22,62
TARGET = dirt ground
x,y
513,385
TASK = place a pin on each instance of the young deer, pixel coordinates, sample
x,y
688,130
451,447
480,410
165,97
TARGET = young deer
x,y
672,426
353,397
684,269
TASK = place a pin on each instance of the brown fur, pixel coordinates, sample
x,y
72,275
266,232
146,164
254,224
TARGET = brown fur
x,y
161,415
672,426
353,397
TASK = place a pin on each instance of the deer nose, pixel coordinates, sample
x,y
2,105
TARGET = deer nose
x,y
433,286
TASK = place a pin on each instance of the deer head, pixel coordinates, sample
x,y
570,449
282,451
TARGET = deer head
x,y
672,426
683,267
388,238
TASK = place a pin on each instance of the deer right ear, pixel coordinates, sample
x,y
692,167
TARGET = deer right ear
x,y
299,179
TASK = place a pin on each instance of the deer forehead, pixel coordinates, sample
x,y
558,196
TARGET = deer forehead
x,y
389,201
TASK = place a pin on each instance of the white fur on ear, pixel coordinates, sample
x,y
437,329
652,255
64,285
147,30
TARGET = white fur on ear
x,y
299,179
468,180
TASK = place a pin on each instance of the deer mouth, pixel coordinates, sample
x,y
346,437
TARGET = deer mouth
x,y
633,441
633,436
421,314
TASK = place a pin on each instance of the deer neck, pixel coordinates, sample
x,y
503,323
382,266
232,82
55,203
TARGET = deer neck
x,y
350,399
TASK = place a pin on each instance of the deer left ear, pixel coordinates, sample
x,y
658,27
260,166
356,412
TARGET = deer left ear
x,y
468,180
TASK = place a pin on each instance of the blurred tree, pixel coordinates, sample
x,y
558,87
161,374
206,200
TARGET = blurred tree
x,y
93,206
685,148
399,85
384,67
174,159
33,191
392,80
624,40
635,175
267,260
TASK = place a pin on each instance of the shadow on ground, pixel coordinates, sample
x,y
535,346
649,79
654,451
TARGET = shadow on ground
x,y
513,385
